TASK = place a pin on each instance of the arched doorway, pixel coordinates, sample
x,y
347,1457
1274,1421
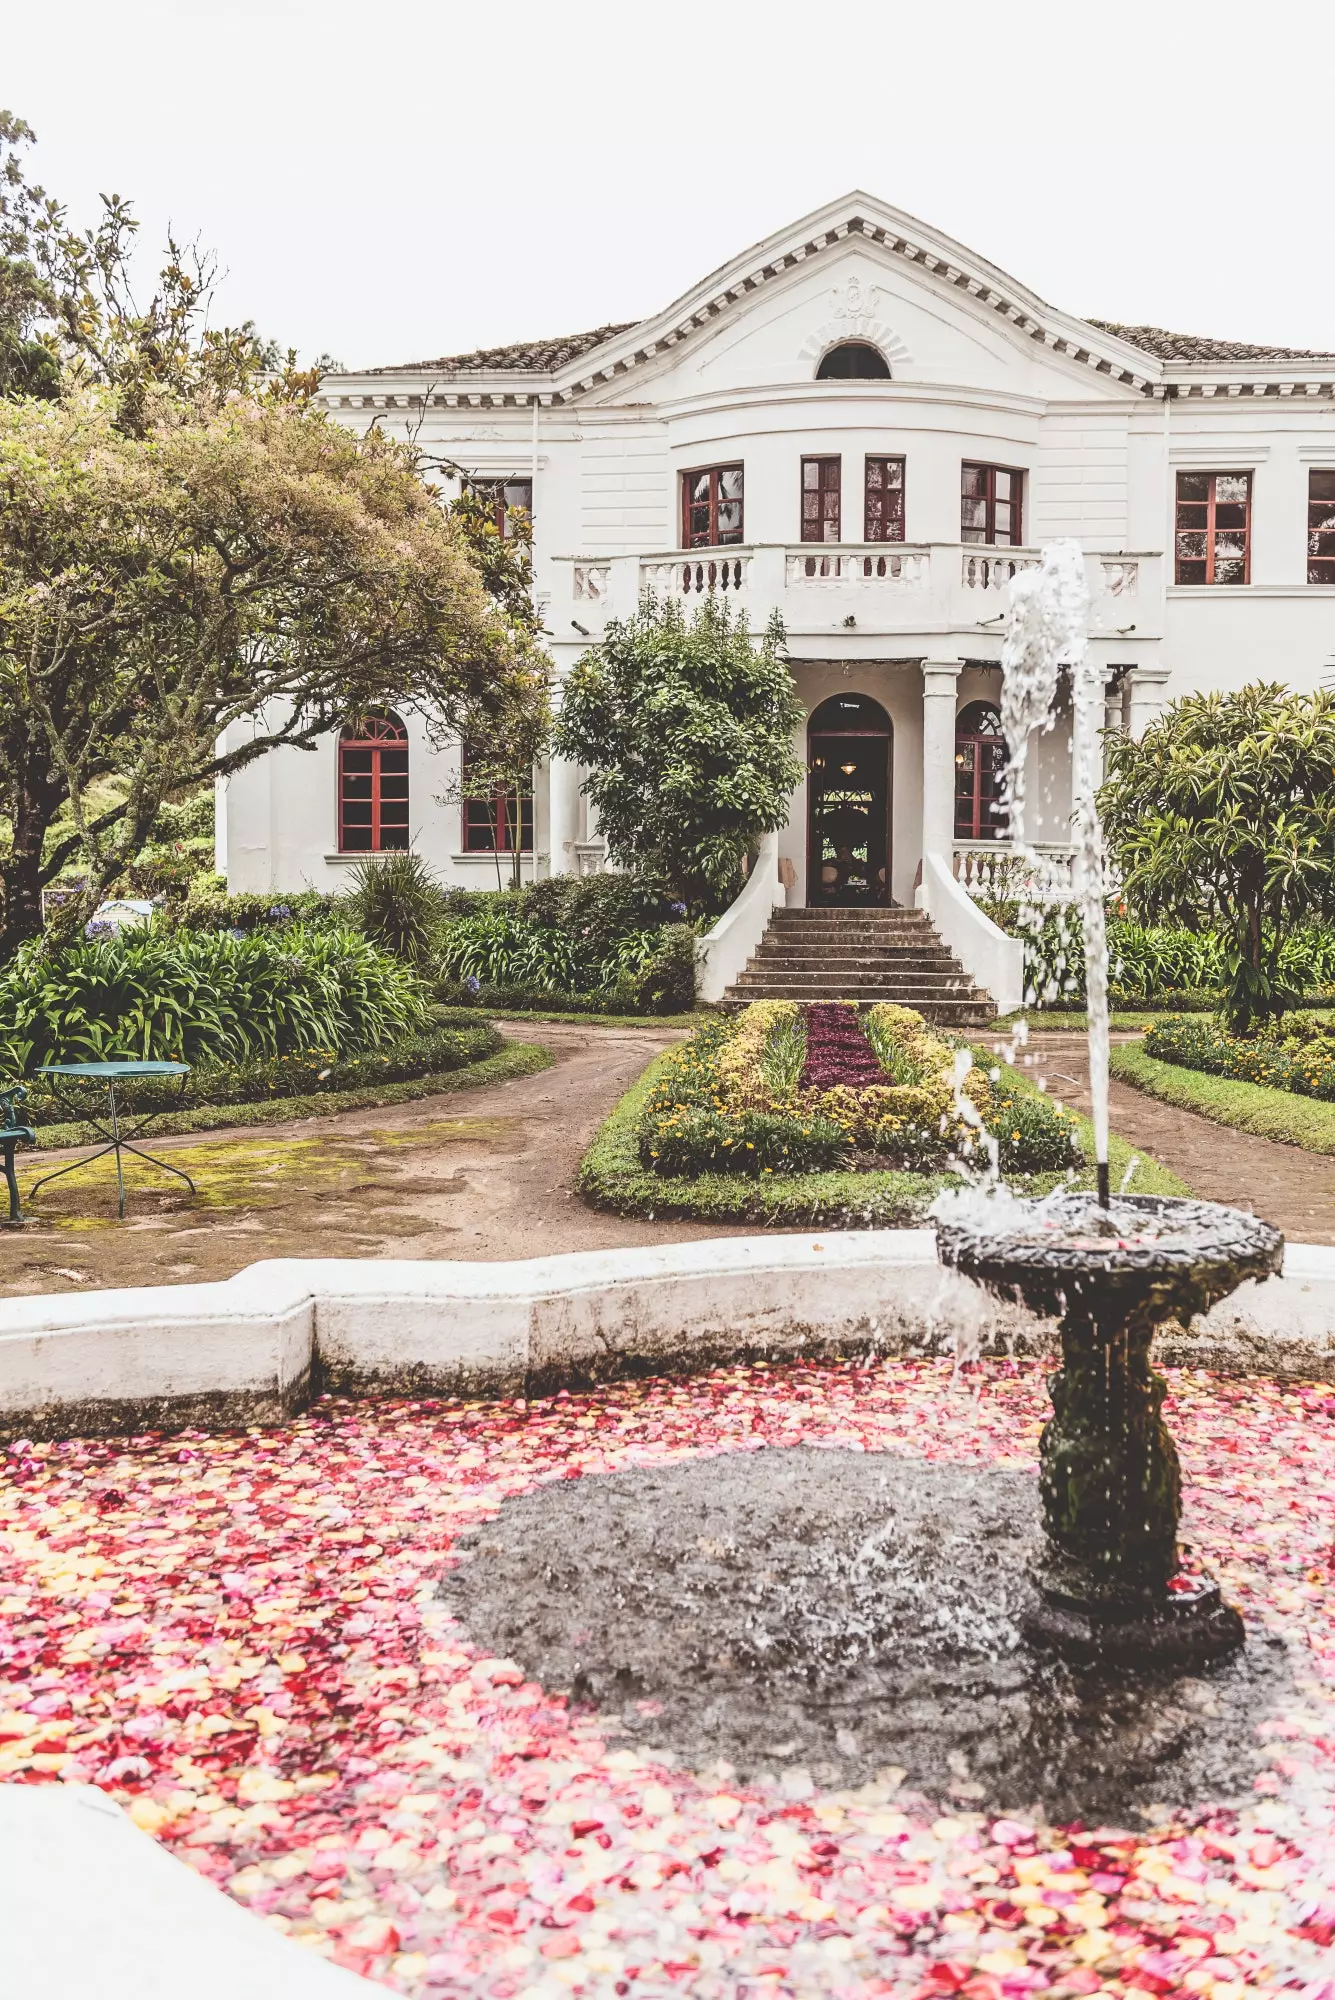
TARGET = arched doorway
x,y
980,773
848,803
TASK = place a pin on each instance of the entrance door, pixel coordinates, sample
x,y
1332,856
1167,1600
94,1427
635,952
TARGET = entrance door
x,y
848,803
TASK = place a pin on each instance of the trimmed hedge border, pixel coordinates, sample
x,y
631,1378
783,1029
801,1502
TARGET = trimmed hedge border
x,y
611,1177
1258,1108
515,1059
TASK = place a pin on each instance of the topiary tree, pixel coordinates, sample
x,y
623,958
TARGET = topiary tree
x,y
686,730
1223,817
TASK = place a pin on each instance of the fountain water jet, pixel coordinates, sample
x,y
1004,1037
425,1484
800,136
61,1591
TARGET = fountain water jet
x,y
1112,1270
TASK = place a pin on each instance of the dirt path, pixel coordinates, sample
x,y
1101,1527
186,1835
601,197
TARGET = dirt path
x,y
1288,1187
485,1173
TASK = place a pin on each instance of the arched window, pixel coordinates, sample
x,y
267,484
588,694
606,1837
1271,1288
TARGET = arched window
x,y
980,767
853,361
497,818
373,785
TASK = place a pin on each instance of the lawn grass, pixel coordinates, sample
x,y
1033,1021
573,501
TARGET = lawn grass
x,y
1308,1122
516,1059
611,1177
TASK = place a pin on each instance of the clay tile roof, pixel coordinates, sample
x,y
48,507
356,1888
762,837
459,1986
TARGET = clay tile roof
x,y
525,357
1168,346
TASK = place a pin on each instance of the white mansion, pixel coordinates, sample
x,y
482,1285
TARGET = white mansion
x,y
865,426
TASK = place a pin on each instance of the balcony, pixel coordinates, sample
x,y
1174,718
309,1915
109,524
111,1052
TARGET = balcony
x,y
872,588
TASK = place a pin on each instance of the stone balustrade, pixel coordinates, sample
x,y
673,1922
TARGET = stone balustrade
x,y
874,587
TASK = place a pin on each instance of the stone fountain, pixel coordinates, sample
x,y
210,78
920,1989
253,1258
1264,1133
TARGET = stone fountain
x,y
1112,1270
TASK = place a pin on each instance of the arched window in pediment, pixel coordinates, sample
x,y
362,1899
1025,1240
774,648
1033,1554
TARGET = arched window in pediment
x,y
853,361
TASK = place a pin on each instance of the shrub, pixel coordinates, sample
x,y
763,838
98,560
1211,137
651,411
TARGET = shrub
x,y
187,998
212,909
644,971
396,902
1301,1060
447,1043
691,1139
1032,1135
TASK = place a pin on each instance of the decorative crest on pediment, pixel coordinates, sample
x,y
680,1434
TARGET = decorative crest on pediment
x,y
853,316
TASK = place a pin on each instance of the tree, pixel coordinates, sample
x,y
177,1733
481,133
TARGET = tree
x,y
1223,816
687,732
245,562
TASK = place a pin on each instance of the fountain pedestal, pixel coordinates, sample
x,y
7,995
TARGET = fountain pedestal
x,y
1110,1482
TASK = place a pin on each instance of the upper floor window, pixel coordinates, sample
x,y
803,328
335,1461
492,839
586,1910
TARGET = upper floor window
x,y
991,507
820,499
1214,527
711,507
980,771
505,498
1321,527
883,512
373,785
853,361
497,819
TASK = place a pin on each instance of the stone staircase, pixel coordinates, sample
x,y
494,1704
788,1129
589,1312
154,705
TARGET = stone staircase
x,y
864,955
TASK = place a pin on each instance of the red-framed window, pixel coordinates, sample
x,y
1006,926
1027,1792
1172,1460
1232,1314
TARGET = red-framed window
x,y
1321,527
820,499
883,501
711,507
495,818
980,770
1214,527
373,785
992,505
505,497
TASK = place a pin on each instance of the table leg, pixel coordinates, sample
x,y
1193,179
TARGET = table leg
x,y
11,1179
116,1143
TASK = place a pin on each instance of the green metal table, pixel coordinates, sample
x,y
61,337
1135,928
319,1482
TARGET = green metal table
x,y
118,1140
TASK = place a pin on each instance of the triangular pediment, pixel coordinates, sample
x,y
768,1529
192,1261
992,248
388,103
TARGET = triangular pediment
x,y
940,272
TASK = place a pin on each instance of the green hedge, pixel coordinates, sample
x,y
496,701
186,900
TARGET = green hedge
x,y
515,1059
694,1139
450,1043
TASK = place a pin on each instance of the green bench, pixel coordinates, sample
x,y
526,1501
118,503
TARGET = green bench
x,y
13,1134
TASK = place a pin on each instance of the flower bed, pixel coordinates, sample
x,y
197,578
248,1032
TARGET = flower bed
x,y
1299,1058
784,1089
241,1639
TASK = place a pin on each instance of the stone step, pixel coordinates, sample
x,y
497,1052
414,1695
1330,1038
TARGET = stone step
x,y
808,986
854,955
946,1013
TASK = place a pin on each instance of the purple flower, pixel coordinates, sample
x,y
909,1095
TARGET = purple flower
x,y
677,909
282,912
473,983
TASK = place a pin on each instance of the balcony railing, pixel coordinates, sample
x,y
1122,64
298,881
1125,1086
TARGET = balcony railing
x,y
876,564
993,872
892,587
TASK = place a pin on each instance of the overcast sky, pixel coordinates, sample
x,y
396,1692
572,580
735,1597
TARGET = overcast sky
x,y
392,181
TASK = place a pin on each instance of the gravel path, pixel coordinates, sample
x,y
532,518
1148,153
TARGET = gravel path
x,y
1292,1189
485,1173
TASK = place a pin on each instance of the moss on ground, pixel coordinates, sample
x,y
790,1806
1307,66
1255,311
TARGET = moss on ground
x,y
515,1059
611,1177
1267,1113
256,1174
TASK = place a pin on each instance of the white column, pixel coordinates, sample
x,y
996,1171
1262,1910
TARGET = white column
x,y
563,809
939,678
1148,686
1113,706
